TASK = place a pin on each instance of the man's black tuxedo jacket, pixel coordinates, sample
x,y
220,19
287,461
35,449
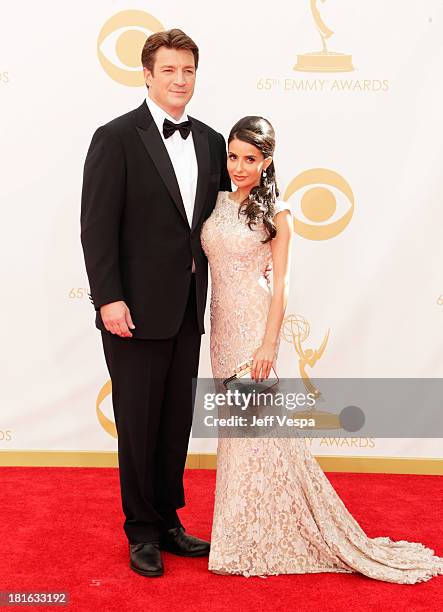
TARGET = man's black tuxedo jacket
x,y
136,238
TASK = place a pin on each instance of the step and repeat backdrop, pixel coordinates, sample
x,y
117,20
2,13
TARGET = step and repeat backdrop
x,y
354,92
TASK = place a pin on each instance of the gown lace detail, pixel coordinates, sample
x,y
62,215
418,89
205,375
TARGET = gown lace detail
x,y
275,510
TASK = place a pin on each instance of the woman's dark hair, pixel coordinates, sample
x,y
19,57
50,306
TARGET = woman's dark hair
x,y
259,204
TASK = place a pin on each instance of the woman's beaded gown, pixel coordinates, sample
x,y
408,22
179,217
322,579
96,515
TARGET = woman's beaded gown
x,y
275,510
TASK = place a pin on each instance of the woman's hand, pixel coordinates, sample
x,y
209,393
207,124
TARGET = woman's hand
x,y
262,361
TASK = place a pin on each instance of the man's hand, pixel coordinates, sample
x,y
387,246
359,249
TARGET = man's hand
x,y
117,319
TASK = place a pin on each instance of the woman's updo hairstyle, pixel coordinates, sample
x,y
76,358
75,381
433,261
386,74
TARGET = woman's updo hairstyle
x,y
258,132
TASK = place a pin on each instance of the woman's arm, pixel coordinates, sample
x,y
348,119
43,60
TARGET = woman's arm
x,y
281,264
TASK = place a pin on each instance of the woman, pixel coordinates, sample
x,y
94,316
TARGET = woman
x,y
275,511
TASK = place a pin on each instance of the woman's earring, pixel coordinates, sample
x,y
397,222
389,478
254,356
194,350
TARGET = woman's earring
x,y
264,174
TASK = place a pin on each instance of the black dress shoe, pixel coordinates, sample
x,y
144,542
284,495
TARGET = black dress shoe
x,y
145,559
178,542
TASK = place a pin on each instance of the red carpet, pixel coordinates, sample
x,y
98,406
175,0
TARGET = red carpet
x,y
60,530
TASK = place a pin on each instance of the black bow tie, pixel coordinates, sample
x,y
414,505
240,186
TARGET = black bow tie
x,y
169,128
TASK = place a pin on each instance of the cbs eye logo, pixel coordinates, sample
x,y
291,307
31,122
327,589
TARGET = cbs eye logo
x,y
318,212
120,44
100,407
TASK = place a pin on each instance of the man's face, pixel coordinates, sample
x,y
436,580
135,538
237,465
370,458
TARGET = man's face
x,y
171,83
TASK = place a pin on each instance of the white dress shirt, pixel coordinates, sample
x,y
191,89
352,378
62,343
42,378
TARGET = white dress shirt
x,y
182,154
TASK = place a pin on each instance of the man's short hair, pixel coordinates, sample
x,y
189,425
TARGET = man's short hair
x,y
171,39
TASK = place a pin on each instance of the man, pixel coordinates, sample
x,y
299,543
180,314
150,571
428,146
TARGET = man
x,y
151,178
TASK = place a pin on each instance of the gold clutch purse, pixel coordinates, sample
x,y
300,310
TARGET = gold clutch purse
x,y
243,371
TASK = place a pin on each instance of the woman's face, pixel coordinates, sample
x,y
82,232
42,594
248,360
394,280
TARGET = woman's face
x,y
245,164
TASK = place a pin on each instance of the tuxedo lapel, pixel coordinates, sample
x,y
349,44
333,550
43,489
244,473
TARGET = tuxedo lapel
x,y
156,149
201,144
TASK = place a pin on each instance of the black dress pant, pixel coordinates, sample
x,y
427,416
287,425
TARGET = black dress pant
x,y
153,406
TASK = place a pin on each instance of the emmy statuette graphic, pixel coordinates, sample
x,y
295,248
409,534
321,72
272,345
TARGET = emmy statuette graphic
x,y
296,330
324,60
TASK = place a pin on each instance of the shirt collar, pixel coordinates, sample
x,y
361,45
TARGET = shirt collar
x,y
159,115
